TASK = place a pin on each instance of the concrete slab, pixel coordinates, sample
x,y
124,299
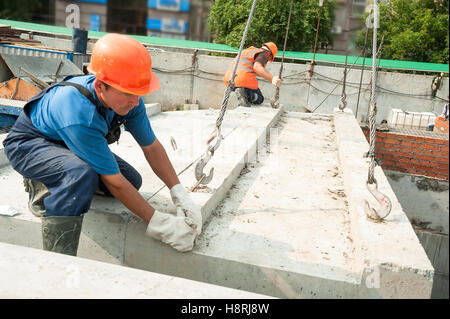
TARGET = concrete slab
x,y
389,255
30,273
283,227
288,224
104,232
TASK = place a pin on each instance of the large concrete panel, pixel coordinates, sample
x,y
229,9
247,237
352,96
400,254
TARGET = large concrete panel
x,y
282,216
387,252
30,273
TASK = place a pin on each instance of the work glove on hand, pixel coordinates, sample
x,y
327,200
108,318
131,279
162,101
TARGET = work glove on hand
x,y
276,81
176,231
186,206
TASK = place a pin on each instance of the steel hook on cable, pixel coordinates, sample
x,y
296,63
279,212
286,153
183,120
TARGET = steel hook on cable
x,y
382,199
199,175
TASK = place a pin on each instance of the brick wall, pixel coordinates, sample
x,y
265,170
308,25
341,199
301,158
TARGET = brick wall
x,y
413,153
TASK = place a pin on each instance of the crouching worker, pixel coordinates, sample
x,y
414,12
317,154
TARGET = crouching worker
x,y
60,141
252,62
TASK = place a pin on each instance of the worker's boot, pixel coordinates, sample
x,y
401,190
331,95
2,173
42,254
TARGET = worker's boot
x,y
242,97
61,234
37,191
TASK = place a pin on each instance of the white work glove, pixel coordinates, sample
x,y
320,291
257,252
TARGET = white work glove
x,y
176,231
276,81
186,206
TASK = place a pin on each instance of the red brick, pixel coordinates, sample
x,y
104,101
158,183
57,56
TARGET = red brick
x,y
417,150
422,139
435,164
407,165
398,169
391,141
441,141
420,162
441,160
382,151
425,157
423,173
403,159
437,153
406,149
430,146
444,149
382,134
407,143
423,168
388,163
380,145
406,154
442,166
442,171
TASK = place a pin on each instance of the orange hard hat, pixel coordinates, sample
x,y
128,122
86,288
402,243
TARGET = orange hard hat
x,y
272,47
123,63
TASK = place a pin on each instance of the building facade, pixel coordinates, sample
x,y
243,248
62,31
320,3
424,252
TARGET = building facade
x,y
180,19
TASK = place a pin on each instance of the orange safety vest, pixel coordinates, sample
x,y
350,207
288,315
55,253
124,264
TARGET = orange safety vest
x,y
245,74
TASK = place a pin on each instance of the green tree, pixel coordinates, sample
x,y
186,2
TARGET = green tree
x,y
413,30
18,9
228,19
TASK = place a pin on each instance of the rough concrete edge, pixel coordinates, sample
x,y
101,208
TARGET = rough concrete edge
x,y
364,265
3,159
221,192
256,278
60,276
152,109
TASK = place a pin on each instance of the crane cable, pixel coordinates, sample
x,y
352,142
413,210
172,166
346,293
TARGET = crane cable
x,y
216,135
372,185
274,102
315,46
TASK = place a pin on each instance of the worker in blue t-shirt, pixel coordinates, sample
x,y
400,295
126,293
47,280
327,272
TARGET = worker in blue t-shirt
x,y
60,145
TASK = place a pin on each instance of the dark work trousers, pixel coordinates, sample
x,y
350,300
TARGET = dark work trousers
x,y
70,180
254,96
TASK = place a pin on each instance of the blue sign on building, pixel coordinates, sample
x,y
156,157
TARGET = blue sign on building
x,y
167,25
93,1
95,22
170,5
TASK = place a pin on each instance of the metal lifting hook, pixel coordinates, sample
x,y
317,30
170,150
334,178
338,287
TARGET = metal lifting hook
x,y
382,199
199,175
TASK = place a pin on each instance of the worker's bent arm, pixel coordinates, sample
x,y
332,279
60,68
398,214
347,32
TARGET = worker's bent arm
x,y
262,72
159,162
122,189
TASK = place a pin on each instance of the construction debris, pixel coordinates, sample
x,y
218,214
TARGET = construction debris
x,y
12,36
17,89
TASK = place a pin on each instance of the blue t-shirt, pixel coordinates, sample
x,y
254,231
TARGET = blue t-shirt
x,y
64,114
